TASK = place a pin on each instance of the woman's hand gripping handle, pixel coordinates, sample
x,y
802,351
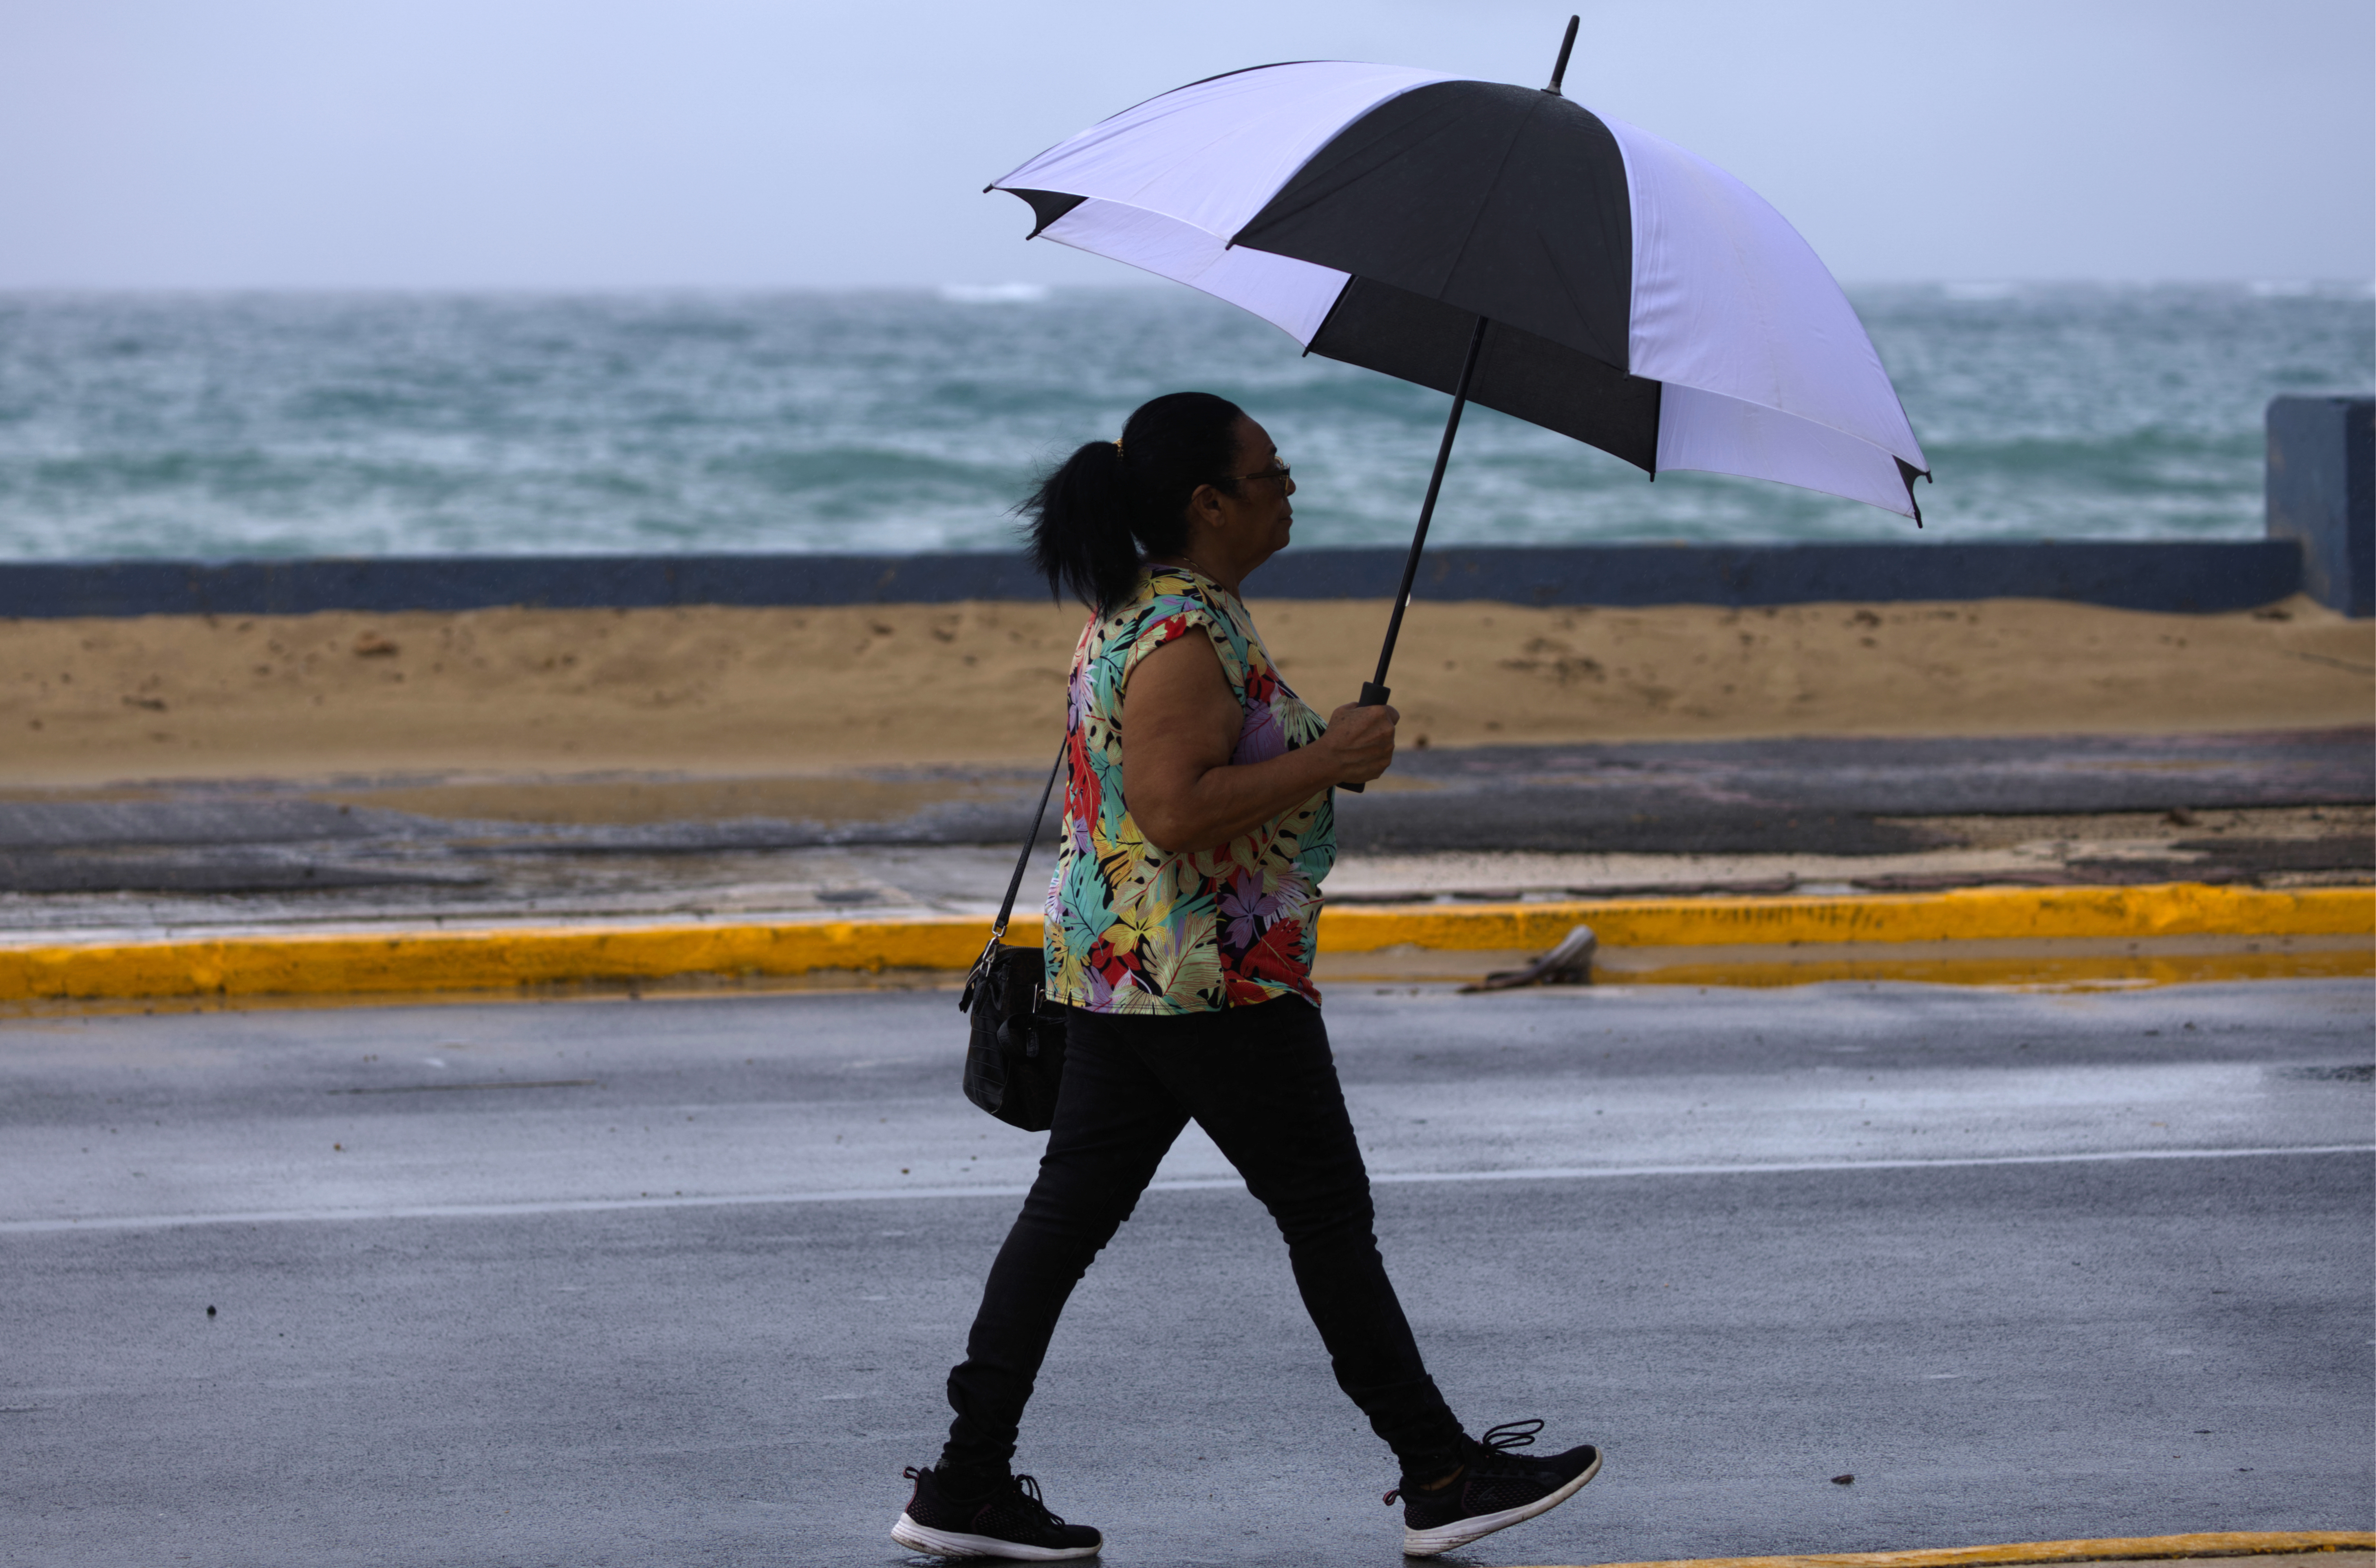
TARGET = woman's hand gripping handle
x,y
1362,738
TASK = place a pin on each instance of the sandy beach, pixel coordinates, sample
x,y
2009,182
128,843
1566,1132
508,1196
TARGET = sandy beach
x,y
728,694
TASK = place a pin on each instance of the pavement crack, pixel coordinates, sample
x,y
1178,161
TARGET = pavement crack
x,y
440,1088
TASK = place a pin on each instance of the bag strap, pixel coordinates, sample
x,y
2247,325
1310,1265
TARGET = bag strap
x,y
1030,840
1013,885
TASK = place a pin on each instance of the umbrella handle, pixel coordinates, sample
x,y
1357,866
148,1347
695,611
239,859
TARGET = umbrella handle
x,y
1372,696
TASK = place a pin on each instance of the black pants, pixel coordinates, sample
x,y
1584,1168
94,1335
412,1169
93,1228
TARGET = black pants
x,y
1262,1084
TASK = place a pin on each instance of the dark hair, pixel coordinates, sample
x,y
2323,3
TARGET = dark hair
x,y
1091,517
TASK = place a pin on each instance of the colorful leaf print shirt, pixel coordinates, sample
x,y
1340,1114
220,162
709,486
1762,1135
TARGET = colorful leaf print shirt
x,y
1132,928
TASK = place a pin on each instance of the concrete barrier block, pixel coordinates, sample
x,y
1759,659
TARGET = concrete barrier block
x,y
2322,494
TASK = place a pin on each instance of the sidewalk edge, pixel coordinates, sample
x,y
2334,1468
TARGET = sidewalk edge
x,y
2116,1549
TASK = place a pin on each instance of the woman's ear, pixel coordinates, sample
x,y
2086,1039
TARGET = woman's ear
x,y
1204,501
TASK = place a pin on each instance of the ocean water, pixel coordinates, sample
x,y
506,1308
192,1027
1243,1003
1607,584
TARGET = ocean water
x,y
294,424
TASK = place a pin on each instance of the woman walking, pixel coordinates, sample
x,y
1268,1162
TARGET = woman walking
x,y
1199,824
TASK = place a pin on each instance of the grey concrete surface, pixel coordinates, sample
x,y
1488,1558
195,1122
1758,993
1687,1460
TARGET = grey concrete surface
x,y
1869,796
1831,795
677,1282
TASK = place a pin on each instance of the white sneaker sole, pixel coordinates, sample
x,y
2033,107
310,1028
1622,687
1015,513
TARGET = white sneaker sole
x,y
1434,1543
949,1543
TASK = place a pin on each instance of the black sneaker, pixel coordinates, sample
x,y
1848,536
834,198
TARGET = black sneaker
x,y
1011,1522
1496,1489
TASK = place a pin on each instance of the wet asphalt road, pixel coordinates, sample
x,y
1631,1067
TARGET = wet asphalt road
x,y
2027,1266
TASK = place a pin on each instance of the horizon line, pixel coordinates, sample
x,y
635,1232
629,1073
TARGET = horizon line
x,y
2275,285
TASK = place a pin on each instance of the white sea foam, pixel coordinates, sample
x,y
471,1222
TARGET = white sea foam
x,y
994,293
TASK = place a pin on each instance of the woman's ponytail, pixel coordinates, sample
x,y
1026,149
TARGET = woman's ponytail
x,y
1094,515
1080,531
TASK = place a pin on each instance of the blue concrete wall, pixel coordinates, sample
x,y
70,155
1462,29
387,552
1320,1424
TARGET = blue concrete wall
x,y
2322,494
2195,578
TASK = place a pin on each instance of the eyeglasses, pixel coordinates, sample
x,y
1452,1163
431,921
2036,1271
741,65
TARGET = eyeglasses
x,y
1278,470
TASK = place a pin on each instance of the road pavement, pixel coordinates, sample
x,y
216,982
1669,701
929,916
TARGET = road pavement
x,y
677,1281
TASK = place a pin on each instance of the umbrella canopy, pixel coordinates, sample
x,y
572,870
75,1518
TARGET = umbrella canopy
x,y
1555,264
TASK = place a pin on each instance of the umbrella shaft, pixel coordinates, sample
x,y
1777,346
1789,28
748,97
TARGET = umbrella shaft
x,y
1426,516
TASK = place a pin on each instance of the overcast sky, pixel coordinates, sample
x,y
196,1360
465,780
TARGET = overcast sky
x,y
640,143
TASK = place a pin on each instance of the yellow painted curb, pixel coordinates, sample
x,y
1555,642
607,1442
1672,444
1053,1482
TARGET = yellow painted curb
x,y
2179,908
2239,1543
2044,971
496,958
477,960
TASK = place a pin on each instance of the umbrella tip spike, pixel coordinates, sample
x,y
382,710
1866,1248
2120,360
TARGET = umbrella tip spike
x,y
1558,71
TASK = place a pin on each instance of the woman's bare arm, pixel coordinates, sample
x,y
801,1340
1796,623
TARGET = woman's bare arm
x,y
1180,723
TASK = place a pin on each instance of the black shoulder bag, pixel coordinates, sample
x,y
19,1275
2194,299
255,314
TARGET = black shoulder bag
x,y
1015,1057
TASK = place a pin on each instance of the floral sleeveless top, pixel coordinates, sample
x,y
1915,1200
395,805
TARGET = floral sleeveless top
x,y
1134,929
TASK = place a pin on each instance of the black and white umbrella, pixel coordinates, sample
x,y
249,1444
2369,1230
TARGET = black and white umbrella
x,y
1505,244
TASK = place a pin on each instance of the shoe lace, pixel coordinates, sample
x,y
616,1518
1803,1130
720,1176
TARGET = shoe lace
x,y
1512,1434
1500,1439
1029,1486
